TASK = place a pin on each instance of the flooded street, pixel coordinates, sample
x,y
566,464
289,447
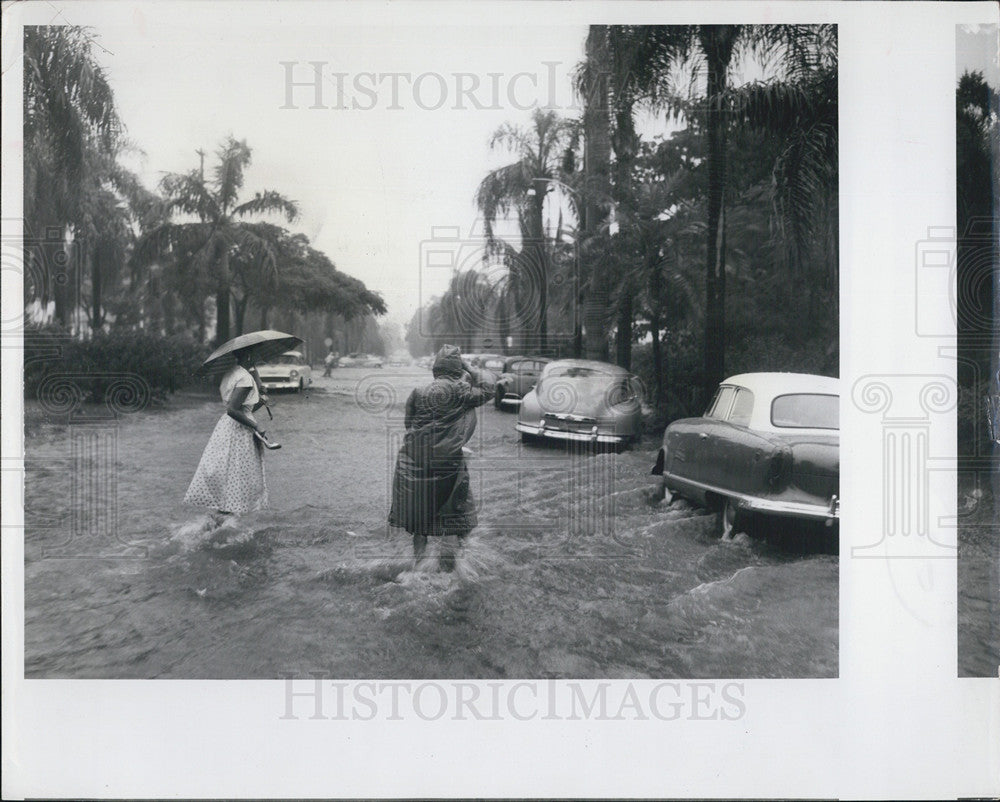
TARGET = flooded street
x,y
573,571
978,586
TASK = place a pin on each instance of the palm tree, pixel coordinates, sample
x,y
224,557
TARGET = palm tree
x,y
593,83
220,230
69,112
648,59
521,187
976,139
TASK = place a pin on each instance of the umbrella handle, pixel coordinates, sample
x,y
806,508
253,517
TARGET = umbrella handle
x,y
269,415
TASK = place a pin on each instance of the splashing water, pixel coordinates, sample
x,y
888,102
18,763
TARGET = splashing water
x,y
575,570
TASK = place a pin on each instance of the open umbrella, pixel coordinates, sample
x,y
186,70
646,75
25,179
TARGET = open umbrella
x,y
264,344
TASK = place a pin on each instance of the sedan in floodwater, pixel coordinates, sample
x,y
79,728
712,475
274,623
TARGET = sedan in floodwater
x,y
585,401
518,375
288,371
768,445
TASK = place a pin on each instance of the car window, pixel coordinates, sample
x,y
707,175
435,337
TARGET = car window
x,y
742,407
806,411
723,401
620,392
493,364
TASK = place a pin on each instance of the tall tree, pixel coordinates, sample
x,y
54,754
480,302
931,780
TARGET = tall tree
x,y
221,227
655,54
593,83
977,134
69,111
522,187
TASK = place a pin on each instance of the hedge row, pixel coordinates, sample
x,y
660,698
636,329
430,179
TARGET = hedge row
x,y
129,361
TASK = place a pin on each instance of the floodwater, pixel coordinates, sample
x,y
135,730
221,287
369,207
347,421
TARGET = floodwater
x,y
978,578
574,572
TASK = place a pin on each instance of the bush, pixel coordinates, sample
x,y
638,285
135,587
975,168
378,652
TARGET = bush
x,y
165,364
974,412
682,380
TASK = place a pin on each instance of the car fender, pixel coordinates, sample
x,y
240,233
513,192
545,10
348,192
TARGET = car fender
x,y
530,410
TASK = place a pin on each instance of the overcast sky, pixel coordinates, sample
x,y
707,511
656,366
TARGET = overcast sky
x,y
399,142
379,169
977,49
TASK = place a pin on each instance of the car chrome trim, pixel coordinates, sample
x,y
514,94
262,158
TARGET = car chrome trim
x,y
772,506
563,434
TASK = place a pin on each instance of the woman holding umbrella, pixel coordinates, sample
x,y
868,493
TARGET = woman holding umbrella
x,y
230,476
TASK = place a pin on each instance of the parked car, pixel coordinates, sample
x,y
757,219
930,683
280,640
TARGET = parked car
x,y
768,445
287,371
357,360
492,364
518,375
582,400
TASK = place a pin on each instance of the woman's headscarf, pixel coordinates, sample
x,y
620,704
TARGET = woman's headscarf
x,y
448,363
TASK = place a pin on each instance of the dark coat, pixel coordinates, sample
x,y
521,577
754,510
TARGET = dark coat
x,y
431,492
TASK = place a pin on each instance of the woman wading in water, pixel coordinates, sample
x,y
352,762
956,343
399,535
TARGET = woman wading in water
x,y
431,494
230,476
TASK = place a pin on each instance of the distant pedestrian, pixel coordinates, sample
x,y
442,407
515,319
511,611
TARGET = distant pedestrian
x,y
330,362
431,493
230,476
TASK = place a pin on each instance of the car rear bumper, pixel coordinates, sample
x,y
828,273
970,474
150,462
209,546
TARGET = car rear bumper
x,y
794,509
281,384
565,434
828,512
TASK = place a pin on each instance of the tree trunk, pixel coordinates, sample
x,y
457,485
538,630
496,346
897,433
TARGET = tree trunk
x,y
658,377
623,335
96,314
62,281
503,318
625,145
597,170
240,309
539,257
222,303
717,43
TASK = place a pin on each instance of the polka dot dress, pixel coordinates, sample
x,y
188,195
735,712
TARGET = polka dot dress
x,y
230,475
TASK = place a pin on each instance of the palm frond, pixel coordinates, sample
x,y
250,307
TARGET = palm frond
x,y
187,193
501,191
234,156
268,201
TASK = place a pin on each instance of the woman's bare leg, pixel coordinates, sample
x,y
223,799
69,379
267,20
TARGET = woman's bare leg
x,y
419,547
